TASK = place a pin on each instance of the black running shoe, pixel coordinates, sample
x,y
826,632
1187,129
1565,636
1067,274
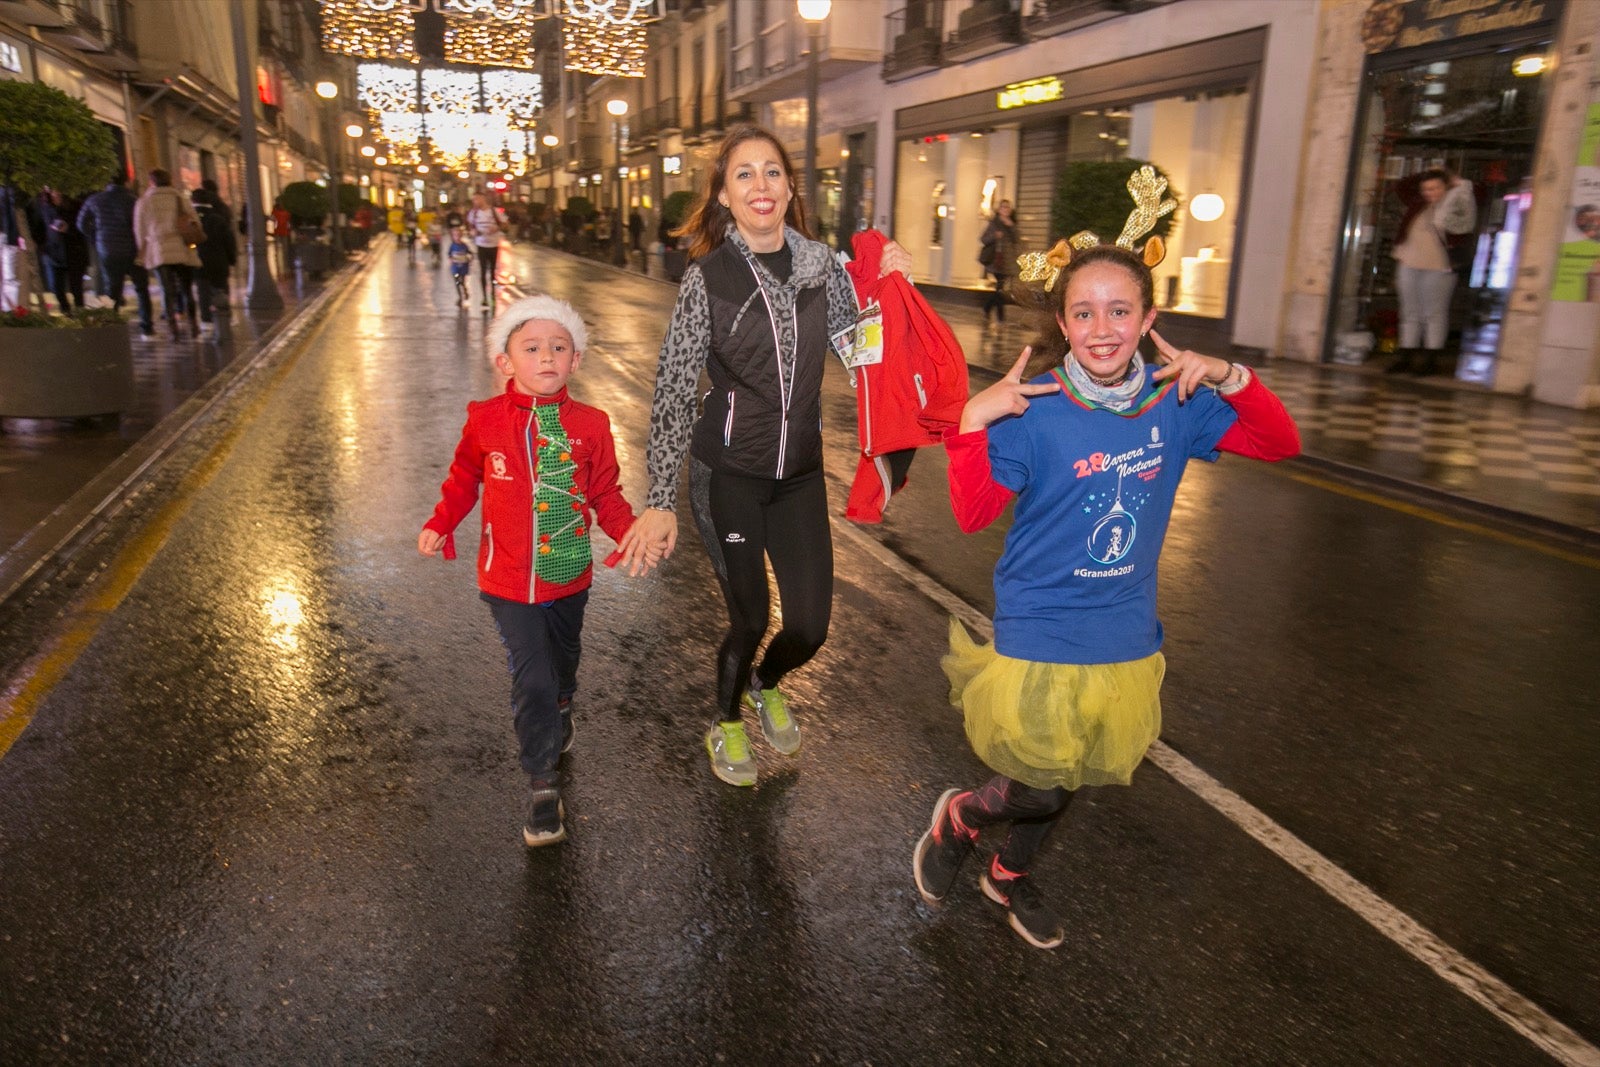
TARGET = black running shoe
x,y
941,852
1031,917
545,815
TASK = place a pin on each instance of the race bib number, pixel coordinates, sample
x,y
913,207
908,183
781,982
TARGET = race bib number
x,y
862,345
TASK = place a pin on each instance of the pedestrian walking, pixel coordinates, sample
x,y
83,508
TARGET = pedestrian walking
x,y
485,225
756,310
998,256
167,229
106,218
218,252
548,468
66,252
460,264
1068,694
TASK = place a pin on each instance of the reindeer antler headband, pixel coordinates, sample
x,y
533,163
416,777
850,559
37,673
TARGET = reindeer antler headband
x,y
1147,190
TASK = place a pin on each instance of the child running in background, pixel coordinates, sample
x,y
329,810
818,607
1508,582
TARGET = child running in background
x,y
549,469
460,264
1068,694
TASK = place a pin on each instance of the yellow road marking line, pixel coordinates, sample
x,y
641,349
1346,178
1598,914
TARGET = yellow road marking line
x,y
46,669
1440,518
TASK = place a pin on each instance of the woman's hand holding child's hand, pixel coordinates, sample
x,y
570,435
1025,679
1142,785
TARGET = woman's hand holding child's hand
x,y
428,542
1190,368
648,541
1008,396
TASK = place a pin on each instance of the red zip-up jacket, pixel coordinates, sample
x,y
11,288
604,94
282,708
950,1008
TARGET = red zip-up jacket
x,y
524,467
918,390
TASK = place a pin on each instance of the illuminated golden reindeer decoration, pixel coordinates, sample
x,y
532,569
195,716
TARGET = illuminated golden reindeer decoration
x,y
1147,190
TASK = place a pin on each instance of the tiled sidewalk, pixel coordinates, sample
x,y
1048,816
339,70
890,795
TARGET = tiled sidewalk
x,y
1506,453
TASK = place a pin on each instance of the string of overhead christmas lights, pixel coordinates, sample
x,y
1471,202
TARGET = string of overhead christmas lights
x,y
450,117
598,36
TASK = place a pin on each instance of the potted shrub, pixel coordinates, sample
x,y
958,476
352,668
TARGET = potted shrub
x,y
674,209
574,217
58,366
1094,196
307,205
64,366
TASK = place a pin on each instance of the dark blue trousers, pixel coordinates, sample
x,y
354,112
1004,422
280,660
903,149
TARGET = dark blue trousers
x,y
543,642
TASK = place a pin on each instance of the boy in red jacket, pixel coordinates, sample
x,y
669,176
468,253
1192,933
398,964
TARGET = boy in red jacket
x,y
548,468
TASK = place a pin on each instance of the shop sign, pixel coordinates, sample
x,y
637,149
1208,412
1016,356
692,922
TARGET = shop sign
x,y
1408,23
10,57
1036,91
1578,263
671,164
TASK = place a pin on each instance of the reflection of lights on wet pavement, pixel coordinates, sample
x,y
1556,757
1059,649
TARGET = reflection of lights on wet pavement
x,y
285,613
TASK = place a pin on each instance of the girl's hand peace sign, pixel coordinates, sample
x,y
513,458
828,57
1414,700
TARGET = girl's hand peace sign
x,y
1190,368
1008,396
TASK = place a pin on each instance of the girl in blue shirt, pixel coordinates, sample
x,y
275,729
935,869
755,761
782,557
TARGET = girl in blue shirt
x,y
1092,451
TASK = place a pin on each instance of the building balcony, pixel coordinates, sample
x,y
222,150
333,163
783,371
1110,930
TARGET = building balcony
x,y
1050,17
773,63
986,27
81,27
40,13
713,118
658,118
914,41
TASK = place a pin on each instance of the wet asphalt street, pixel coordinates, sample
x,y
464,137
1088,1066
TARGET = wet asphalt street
x,y
268,809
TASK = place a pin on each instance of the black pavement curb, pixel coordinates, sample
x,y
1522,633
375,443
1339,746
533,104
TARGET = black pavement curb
x,y
75,520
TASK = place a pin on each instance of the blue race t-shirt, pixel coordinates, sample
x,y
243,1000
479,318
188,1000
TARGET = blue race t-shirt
x,y
1077,580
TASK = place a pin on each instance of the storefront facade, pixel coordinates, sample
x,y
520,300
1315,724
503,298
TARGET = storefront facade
x,y
1497,92
1211,92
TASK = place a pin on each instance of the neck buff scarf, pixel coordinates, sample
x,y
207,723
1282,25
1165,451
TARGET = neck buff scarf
x,y
1118,397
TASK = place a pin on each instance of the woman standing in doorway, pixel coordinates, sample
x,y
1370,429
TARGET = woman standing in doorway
x,y
756,310
1423,274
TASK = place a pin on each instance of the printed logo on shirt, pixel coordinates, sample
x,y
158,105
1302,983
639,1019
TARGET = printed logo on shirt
x,y
1112,536
497,467
1155,437
735,538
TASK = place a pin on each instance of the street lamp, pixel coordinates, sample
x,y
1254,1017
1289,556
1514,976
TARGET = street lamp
x,y
814,12
328,91
618,108
550,141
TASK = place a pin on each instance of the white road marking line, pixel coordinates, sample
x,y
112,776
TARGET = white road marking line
x,y
1506,1004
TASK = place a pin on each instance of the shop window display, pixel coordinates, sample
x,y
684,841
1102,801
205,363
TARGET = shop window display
x,y
948,182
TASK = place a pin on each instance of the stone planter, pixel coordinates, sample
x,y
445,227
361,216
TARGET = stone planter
x,y
66,373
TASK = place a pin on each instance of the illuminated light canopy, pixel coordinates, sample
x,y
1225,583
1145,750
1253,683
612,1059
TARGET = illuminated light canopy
x,y
455,118
600,36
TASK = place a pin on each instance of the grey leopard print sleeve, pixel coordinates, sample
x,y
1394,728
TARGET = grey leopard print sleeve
x,y
683,354
842,306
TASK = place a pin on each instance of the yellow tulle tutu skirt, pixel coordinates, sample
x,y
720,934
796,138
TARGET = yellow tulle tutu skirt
x,y
1055,724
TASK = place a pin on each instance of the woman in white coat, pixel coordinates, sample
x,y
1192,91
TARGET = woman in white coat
x,y
166,227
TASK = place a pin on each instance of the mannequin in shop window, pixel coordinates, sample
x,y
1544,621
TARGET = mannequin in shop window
x,y
1441,207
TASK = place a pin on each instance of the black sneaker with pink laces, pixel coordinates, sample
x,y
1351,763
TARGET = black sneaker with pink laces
x,y
1031,917
942,850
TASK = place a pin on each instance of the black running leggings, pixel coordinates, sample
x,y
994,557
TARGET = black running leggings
x,y
488,259
1032,813
744,522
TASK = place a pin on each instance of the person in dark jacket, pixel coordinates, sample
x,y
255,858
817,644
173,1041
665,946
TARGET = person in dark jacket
x,y
756,310
106,218
15,274
66,253
218,252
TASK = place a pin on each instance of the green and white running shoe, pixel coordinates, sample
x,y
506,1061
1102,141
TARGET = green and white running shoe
x,y
777,725
729,749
